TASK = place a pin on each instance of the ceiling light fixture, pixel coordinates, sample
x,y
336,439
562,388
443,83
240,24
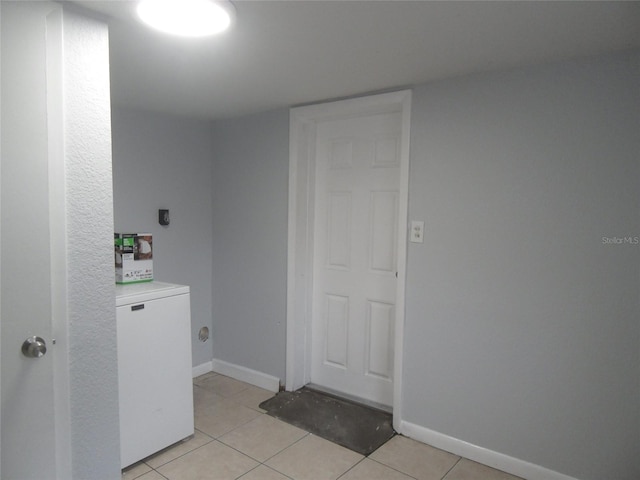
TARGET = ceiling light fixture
x,y
187,18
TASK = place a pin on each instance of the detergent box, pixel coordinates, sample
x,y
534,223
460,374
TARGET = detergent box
x,y
134,257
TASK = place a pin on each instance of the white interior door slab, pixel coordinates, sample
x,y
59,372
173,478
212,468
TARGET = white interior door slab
x,y
31,44
355,255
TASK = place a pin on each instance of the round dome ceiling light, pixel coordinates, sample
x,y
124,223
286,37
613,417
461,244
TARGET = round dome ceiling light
x,y
187,18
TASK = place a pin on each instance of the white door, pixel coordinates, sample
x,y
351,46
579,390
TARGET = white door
x,y
28,238
355,255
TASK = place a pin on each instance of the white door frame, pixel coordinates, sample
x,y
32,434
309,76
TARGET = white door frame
x,y
303,121
58,239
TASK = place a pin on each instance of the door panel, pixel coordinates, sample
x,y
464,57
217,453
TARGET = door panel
x,y
338,231
28,446
379,326
336,325
355,255
383,232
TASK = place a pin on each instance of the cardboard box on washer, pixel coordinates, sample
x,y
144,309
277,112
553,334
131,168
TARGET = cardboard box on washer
x,y
134,257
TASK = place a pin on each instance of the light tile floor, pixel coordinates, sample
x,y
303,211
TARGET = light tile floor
x,y
234,439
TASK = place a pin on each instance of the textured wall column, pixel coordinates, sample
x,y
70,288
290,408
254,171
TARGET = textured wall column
x,y
95,433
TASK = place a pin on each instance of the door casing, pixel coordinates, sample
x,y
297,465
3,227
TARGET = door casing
x,y
303,122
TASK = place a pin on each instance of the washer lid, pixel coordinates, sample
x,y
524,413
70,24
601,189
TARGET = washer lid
x,y
143,292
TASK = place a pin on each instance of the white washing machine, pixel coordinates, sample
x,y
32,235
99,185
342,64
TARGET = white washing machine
x,y
154,367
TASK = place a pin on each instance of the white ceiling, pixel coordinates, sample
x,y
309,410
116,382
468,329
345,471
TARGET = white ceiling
x,y
284,53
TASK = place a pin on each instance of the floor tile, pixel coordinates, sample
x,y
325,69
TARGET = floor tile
x,y
223,386
223,417
206,402
135,471
468,470
213,461
370,470
314,458
263,437
416,459
264,473
177,450
152,475
203,398
233,437
252,397
204,378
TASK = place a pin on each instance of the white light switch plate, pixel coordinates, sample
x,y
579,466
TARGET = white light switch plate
x,y
417,231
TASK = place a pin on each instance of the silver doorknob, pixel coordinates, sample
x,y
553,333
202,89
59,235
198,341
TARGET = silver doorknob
x,y
34,347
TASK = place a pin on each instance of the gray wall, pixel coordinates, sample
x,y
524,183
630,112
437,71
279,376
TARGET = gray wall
x,y
226,187
164,162
522,328
250,182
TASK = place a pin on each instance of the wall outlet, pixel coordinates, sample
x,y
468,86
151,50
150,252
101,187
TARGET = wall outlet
x,y
417,231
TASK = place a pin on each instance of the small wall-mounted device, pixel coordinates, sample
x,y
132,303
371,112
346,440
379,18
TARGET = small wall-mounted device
x,y
163,217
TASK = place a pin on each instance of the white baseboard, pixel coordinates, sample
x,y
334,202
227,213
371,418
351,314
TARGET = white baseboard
x,y
244,374
201,369
478,454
